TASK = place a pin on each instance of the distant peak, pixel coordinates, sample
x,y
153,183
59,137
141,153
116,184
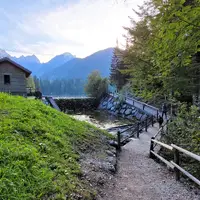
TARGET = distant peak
x,y
3,54
67,54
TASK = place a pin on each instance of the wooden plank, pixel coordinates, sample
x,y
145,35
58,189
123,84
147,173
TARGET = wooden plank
x,y
186,173
188,153
163,160
177,161
164,145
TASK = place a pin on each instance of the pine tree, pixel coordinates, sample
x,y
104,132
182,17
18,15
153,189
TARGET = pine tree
x,y
117,77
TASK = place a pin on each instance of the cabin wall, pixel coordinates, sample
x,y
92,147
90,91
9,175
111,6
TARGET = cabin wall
x,y
17,79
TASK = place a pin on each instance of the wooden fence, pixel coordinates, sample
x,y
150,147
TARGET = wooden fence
x,y
175,164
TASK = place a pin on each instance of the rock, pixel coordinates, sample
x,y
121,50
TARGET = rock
x,y
113,143
122,111
101,181
109,106
116,112
109,153
115,103
104,103
113,108
124,106
130,116
128,111
108,167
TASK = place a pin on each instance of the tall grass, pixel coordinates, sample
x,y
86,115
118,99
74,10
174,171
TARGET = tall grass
x,y
38,159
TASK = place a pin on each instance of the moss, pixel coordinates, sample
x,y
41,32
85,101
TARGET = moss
x,y
38,151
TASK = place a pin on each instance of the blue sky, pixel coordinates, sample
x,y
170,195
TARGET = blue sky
x,y
50,27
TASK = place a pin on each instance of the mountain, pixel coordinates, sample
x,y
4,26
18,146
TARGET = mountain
x,y
54,63
3,54
81,68
30,62
66,65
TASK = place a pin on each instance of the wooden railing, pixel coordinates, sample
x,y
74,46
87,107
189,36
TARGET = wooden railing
x,y
175,164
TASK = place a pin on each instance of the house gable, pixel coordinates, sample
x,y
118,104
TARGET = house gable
x,y
26,71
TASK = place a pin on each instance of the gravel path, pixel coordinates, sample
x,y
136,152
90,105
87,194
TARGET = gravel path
x,y
141,178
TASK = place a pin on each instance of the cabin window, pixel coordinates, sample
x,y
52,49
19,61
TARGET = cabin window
x,y
6,79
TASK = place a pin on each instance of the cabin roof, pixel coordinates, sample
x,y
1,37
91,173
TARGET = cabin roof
x,y
26,71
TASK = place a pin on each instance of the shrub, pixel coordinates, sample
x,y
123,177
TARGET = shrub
x,y
96,85
184,131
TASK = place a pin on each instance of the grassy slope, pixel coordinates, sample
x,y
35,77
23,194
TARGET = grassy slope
x,y
37,150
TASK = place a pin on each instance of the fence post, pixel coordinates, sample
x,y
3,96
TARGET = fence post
x,y
177,161
138,129
146,124
151,148
119,141
152,120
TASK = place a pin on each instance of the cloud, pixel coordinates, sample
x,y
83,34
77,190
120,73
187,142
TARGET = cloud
x,y
51,27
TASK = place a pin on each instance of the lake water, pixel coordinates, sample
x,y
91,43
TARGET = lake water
x,y
101,119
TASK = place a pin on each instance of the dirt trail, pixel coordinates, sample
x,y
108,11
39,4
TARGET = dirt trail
x,y
141,178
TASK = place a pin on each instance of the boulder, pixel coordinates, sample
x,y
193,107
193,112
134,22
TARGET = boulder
x,y
116,112
109,106
110,153
113,108
122,111
124,106
104,103
128,111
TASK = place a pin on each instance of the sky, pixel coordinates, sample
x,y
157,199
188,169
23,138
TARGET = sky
x,y
47,28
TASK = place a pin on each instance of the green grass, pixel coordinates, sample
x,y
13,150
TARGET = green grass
x,y
38,151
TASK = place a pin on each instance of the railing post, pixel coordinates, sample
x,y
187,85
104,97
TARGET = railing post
x,y
152,120
138,129
119,141
177,161
146,124
151,148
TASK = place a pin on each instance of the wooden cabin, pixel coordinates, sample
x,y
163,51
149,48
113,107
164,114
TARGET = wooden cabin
x,y
13,77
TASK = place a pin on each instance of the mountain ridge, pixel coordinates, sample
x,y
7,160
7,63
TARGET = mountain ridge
x,y
66,65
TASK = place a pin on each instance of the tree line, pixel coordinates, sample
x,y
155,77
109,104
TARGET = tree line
x,y
162,57
58,87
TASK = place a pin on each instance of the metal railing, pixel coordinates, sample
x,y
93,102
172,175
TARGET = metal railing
x,y
151,110
135,130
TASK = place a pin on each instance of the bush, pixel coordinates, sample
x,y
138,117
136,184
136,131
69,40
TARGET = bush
x,y
96,85
184,131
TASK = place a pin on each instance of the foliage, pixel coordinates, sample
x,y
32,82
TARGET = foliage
x,y
162,56
31,84
39,151
96,85
117,77
184,132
